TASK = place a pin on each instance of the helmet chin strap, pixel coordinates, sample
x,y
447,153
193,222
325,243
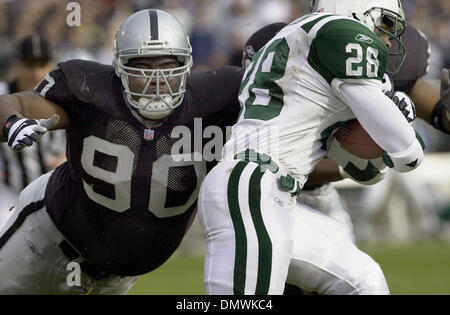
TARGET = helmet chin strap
x,y
146,121
155,114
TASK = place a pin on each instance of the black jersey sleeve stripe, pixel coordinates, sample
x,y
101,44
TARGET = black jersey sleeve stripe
x,y
30,209
154,32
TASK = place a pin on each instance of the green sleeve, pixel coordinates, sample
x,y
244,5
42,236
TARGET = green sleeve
x,y
346,49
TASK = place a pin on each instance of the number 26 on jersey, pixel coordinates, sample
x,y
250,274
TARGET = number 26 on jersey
x,y
363,62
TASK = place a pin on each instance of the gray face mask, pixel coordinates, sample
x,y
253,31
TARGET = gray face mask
x,y
153,33
157,98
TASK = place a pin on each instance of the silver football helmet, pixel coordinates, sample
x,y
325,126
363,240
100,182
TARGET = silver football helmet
x,y
153,33
372,13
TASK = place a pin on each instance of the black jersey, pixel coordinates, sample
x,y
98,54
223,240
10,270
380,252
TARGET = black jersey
x,y
125,195
416,60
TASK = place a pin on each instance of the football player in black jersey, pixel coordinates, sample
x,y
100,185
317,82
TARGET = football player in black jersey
x,y
121,204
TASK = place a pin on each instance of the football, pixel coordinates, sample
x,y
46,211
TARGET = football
x,y
357,141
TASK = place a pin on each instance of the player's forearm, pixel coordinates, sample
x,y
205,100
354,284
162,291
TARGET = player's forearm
x,y
385,124
32,106
440,113
379,116
425,96
326,171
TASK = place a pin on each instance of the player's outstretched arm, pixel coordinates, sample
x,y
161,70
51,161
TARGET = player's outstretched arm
x,y
26,116
431,105
425,96
385,124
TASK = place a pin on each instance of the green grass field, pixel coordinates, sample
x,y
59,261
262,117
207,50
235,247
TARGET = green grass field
x,y
415,269
410,269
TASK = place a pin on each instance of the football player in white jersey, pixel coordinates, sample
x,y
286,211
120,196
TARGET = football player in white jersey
x,y
431,106
314,232
319,72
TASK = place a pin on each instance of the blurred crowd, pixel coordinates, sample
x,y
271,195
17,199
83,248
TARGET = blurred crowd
x,y
218,28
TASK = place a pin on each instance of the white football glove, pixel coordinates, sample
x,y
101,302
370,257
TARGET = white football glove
x,y
405,105
24,132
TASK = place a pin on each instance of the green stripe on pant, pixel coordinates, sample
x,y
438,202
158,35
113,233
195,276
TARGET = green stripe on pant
x,y
240,260
264,242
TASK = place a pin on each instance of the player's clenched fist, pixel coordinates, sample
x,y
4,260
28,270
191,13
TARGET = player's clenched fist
x,y
22,132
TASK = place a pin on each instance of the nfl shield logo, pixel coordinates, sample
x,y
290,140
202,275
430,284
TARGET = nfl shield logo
x,y
149,134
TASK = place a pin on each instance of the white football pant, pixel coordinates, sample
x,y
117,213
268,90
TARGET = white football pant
x,y
326,200
7,201
258,238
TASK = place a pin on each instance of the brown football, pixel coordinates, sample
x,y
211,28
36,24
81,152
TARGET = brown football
x,y
357,141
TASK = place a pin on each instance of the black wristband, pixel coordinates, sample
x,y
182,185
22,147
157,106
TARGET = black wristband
x,y
436,117
8,124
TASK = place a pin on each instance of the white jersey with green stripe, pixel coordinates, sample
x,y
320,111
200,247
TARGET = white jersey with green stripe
x,y
290,92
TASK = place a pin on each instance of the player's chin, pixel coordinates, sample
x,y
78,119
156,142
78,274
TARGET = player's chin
x,y
155,116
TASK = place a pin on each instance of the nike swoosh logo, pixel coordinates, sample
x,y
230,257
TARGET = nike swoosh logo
x,y
20,127
12,137
364,38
